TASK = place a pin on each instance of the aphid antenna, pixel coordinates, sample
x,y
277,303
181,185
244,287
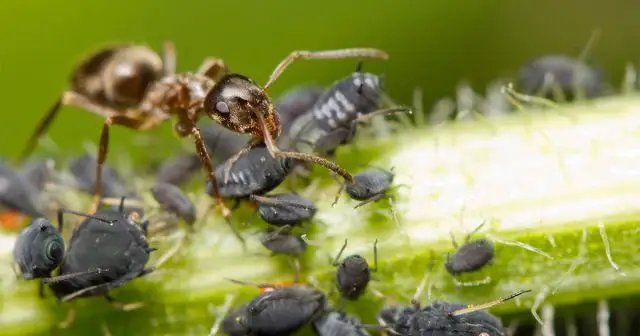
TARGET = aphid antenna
x,y
472,308
174,249
415,299
73,275
226,307
308,241
253,284
276,202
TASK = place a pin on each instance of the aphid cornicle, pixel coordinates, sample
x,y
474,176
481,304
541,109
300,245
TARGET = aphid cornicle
x,y
285,209
353,273
541,76
38,250
174,201
110,240
471,256
338,324
281,311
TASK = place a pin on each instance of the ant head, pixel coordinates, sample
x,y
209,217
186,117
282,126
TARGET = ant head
x,y
237,103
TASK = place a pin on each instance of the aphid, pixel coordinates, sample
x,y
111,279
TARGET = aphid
x,y
38,250
285,209
281,311
179,169
443,318
339,324
109,240
221,142
353,273
296,102
368,186
239,104
38,171
174,201
18,194
132,86
470,257
333,120
83,170
283,242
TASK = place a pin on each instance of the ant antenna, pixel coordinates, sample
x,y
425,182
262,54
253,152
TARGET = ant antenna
x,y
472,308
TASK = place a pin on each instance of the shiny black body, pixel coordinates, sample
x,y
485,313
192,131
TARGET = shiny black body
x,y
369,184
436,320
232,326
329,124
287,214
283,311
255,173
565,71
114,244
338,324
222,143
283,242
174,201
17,193
470,257
38,250
352,276
178,169
83,169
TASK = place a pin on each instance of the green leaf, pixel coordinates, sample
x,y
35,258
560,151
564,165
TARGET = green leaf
x,y
558,190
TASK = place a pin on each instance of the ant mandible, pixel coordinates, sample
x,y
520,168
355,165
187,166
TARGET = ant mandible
x,y
132,86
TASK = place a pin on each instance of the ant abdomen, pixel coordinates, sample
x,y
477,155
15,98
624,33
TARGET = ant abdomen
x,y
118,76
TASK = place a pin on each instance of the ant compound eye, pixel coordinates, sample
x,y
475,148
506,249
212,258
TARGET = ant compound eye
x,y
222,107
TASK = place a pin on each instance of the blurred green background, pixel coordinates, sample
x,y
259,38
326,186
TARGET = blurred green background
x,y
432,43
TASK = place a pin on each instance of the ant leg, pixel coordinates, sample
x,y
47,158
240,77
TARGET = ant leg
x,y
275,152
169,58
232,160
208,166
41,129
323,54
71,316
335,260
122,306
102,156
213,68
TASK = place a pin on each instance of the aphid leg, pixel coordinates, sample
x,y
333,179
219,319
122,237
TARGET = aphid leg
x,y
213,68
123,306
472,308
630,79
276,232
72,275
169,58
515,98
221,314
169,254
335,260
323,54
71,316
253,284
232,160
375,257
474,231
371,199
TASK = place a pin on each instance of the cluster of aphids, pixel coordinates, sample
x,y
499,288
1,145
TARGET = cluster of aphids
x,y
134,87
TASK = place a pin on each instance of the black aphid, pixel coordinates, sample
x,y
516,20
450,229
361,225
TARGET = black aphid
x,y
470,257
83,170
38,171
285,209
282,311
221,142
38,250
553,75
17,193
443,318
353,273
368,186
283,242
338,324
295,102
174,201
179,169
110,240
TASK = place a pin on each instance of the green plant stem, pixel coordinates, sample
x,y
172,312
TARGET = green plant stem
x,y
549,186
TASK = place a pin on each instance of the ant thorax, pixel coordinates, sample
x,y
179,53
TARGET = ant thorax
x,y
176,93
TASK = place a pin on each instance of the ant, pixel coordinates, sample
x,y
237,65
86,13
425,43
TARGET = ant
x,y
132,86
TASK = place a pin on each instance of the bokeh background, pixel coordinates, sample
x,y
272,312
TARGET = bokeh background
x,y
433,44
